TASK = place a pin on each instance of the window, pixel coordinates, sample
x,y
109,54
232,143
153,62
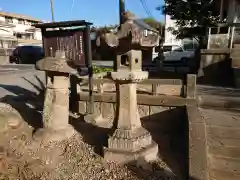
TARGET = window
x,y
20,21
177,49
8,20
167,48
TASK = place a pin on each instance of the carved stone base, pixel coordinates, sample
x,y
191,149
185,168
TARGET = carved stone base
x,y
127,146
47,135
139,157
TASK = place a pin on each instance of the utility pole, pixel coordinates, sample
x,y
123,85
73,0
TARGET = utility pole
x,y
121,11
52,10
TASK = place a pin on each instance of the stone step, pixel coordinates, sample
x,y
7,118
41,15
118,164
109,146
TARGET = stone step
x,y
236,61
229,165
223,132
237,46
218,118
235,53
227,142
223,175
224,151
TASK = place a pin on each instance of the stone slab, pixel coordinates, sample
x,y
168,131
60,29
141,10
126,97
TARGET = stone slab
x,y
223,132
225,164
215,141
197,145
231,152
224,175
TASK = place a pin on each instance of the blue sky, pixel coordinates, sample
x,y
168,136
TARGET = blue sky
x,y
103,13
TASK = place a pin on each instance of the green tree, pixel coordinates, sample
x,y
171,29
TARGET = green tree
x,y
191,16
153,23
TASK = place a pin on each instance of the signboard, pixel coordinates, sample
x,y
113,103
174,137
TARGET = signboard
x,y
68,40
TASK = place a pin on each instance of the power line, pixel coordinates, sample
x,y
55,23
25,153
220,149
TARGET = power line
x,y
143,2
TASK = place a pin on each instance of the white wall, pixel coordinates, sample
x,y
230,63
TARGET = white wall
x,y
38,35
4,31
169,37
19,28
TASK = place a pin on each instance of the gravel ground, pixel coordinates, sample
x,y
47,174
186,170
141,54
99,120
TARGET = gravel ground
x,y
72,159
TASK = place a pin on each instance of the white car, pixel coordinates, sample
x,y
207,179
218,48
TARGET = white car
x,y
176,53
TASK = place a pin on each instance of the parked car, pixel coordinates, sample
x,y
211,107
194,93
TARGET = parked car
x,y
174,54
26,54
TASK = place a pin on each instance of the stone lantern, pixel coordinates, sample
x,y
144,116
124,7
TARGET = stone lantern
x,y
130,142
65,50
56,102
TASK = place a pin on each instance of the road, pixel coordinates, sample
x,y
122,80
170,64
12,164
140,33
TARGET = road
x,y
15,68
19,79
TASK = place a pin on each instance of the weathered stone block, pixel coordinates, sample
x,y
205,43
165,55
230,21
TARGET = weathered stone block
x,y
197,146
227,164
82,107
215,141
223,175
108,111
155,112
230,152
143,111
223,132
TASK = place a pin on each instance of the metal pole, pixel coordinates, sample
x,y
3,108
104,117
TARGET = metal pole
x,y
52,10
90,69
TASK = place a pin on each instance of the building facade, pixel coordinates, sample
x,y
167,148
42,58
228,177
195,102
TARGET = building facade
x,y
18,26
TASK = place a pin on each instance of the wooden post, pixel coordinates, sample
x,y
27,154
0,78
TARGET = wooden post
x,y
232,37
209,38
154,89
73,105
90,69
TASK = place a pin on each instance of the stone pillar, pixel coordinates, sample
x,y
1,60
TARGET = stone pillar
x,y
130,141
95,117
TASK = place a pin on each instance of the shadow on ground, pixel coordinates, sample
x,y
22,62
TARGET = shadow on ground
x,y
29,104
169,129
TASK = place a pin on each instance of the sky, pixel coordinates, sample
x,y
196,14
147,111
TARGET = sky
x,y
100,14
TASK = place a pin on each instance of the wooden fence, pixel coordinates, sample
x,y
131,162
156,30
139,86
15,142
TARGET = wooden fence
x,y
158,93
